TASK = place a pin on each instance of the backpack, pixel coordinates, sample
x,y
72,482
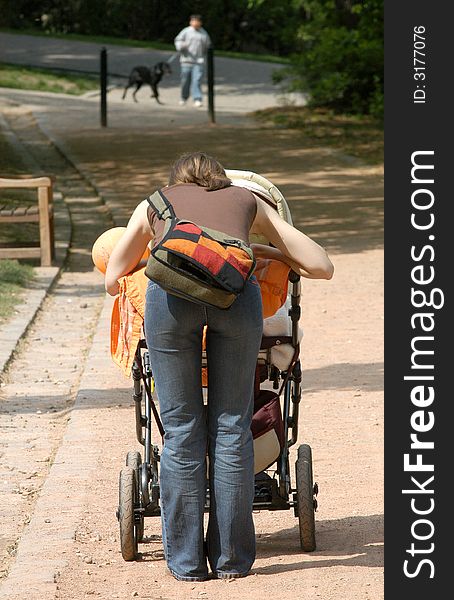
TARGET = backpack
x,y
197,263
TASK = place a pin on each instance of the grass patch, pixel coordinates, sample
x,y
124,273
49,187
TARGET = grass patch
x,y
45,80
359,136
14,276
101,39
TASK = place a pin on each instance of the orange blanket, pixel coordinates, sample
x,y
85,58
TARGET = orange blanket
x,y
272,276
127,319
129,308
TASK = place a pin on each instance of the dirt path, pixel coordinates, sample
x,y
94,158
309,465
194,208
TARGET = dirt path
x,y
339,203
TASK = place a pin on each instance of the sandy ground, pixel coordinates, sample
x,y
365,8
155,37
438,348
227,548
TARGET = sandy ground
x,y
339,202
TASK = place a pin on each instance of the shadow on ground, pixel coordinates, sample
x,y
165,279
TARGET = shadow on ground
x,y
365,376
339,376
351,541
59,404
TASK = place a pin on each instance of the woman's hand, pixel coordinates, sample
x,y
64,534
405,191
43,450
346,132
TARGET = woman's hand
x,y
127,254
293,247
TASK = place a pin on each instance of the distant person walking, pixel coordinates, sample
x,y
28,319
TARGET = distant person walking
x,y
192,43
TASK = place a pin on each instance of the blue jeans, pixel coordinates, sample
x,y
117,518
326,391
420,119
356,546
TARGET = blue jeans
x,y
173,328
190,77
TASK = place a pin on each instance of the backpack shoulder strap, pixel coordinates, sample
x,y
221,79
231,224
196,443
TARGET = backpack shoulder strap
x,y
161,206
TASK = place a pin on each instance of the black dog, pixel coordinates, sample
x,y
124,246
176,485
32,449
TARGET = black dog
x,y
140,75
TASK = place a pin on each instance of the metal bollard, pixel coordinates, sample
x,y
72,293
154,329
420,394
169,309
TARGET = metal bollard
x,y
210,77
103,83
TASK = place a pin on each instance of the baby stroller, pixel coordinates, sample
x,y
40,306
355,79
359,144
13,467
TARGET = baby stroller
x,y
274,427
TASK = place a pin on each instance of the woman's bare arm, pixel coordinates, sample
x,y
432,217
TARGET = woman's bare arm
x,y
127,253
293,247
262,251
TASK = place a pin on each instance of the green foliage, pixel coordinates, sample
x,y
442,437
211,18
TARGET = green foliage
x,y
13,272
340,62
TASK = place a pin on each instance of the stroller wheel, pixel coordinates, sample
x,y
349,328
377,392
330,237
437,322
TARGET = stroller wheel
x,y
305,498
134,460
127,501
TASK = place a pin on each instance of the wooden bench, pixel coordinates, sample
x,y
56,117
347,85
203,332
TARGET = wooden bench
x,y
41,213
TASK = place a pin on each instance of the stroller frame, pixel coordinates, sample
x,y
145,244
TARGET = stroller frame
x,y
139,480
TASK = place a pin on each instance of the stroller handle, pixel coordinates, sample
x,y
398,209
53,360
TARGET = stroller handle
x,y
295,308
294,277
268,186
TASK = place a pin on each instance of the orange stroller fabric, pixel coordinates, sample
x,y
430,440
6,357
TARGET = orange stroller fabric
x,y
272,276
127,319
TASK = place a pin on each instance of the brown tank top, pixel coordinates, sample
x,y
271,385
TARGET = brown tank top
x,y
231,210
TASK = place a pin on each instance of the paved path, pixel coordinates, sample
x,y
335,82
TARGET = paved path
x,y
241,85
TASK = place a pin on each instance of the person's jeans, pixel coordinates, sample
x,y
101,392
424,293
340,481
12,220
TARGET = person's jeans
x,y
191,77
173,328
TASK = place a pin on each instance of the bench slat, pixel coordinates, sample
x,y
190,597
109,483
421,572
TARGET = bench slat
x,y
6,212
19,211
31,182
19,219
19,214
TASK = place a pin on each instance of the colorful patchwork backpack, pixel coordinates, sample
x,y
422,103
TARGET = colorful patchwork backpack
x,y
196,263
